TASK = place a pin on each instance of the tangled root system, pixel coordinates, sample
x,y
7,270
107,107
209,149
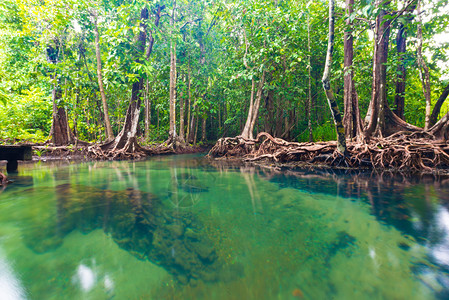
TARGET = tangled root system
x,y
403,151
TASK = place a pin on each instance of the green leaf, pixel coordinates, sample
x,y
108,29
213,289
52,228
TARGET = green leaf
x,y
3,97
365,10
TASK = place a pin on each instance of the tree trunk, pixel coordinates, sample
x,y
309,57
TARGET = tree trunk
x,y
253,111
376,112
246,133
423,70
399,98
86,114
257,101
126,139
196,126
437,107
380,120
172,131
60,131
203,129
269,118
289,125
441,129
219,113
194,123
401,42
341,141
189,106
147,111
75,119
62,134
158,120
309,102
109,132
279,116
181,118
192,126
351,119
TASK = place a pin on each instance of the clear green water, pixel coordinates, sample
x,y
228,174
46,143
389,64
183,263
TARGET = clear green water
x,y
180,228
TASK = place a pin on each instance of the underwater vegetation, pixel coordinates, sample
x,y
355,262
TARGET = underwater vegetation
x,y
137,222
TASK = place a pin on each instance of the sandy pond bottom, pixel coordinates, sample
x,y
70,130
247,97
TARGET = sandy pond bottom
x,y
180,228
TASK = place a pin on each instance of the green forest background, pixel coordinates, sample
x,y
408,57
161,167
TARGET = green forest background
x,y
221,45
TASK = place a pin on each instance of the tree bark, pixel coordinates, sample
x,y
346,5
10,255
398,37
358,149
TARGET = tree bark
x,y
245,132
401,43
126,139
191,135
157,120
60,131
188,105
196,125
279,115
380,120
375,118
257,102
254,105
172,131
399,98
309,102
269,118
437,107
423,71
441,129
75,122
62,134
351,119
109,132
203,129
147,111
181,118
341,137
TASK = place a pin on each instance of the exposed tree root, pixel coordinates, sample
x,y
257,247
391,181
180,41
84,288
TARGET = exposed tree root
x,y
175,143
402,151
59,151
131,150
3,179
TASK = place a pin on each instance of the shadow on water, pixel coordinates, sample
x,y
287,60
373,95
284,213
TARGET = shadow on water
x,y
418,206
139,223
19,182
187,214
394,199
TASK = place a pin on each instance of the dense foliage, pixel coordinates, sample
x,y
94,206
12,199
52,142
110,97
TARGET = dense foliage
x,y
222,48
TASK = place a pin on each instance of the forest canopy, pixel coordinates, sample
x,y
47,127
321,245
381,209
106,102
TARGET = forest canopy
x,y
201,70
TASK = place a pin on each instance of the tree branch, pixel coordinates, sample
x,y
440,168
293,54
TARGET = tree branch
x,y
398,14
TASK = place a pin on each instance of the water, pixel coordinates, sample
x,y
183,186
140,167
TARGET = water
x,y
181,228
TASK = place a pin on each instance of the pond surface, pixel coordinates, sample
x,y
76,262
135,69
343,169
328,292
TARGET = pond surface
x,y
181,228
